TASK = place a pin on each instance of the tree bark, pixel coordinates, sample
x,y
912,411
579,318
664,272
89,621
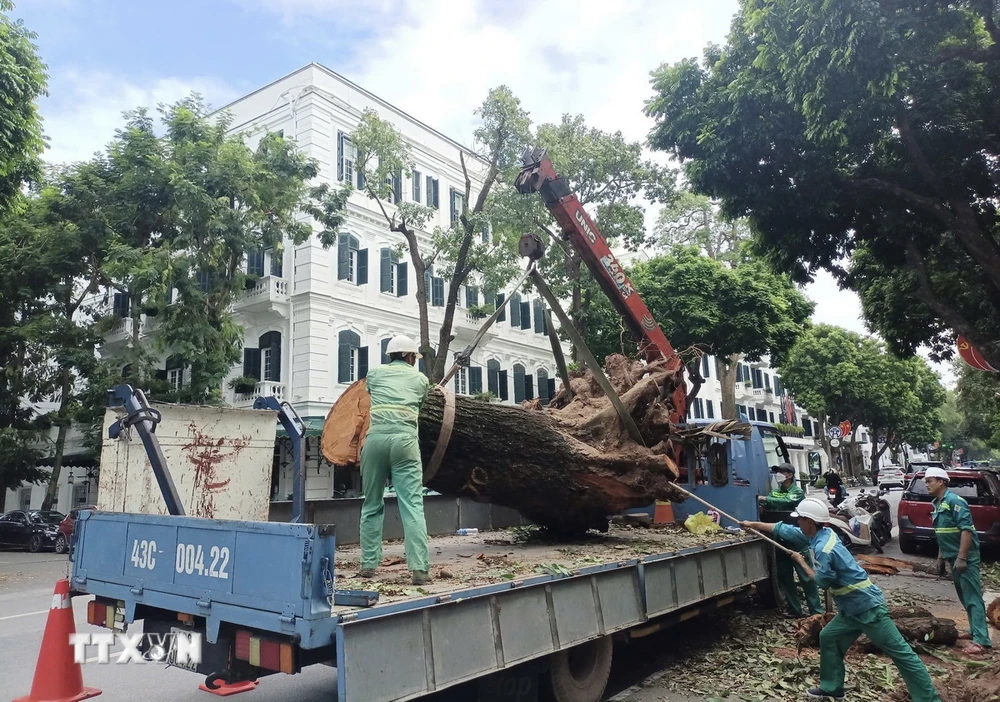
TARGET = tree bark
x,y
521,459
51,493
727,379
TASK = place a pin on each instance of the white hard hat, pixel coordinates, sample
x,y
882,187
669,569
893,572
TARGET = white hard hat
x,y
813,509
935,472
402,344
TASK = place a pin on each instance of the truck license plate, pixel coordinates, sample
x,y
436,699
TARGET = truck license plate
x,y
172,659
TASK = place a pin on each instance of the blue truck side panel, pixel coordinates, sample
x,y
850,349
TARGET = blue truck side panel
x,y
258,574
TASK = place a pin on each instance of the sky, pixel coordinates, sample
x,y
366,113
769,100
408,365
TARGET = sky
x,y
435,59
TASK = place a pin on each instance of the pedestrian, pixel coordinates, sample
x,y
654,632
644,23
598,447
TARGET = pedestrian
x,y
861,608
958,546
784,498
392,449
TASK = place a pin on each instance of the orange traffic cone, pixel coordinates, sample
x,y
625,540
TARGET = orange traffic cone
x,y
58,678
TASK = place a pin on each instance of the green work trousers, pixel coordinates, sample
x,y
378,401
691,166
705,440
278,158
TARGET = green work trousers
x,y
786,570
843,630
397,455
969,587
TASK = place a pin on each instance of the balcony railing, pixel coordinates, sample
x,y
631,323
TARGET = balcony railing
x,y
266,291
265,388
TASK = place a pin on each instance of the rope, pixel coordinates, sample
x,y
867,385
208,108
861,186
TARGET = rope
x,y
447,424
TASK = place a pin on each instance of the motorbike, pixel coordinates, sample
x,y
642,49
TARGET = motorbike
x,y
876,505
857,528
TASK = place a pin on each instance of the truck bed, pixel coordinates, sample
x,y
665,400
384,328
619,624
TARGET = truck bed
x,y
511,555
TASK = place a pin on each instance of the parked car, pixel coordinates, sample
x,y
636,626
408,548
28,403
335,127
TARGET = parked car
x,y
30,529
917,466
891,476
980,489
65,537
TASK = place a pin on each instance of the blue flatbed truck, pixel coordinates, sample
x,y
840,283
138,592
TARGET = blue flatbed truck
x,y
264,595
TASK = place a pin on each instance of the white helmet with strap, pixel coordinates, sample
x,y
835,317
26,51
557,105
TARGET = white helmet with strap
x,y
935,472
813,509
402,344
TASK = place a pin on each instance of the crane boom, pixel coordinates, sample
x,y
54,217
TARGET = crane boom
x,y
538,175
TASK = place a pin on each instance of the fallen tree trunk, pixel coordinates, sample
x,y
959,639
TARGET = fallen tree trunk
x,y
568,466
914,623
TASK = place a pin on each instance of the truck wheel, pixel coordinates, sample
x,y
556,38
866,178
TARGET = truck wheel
x,y
907,545
580,674
771,595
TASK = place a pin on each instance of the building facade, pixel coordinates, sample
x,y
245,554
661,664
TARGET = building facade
x,y
317,319
761,396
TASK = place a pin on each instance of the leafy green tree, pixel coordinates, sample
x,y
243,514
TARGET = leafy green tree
x,y
954,431
186,209
22,82
695,220
865,127
836,374
698,301
480,246
979,403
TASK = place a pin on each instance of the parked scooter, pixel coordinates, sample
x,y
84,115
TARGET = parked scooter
x,y
876,505
854,525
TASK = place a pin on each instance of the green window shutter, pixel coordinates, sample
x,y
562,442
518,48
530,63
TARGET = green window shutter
x,y
475,380
362,267
343,256
385,270
401,281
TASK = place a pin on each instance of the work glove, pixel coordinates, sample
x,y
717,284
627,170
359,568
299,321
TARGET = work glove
x,y
939,566
960,565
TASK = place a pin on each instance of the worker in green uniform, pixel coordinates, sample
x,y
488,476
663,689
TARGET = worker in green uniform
x,y
784,498
861,607
958,545
391,448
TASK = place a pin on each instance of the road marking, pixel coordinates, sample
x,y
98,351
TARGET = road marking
x,y
25,614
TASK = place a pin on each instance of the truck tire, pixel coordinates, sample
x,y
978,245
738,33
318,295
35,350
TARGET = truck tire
x,y
771,595
580,673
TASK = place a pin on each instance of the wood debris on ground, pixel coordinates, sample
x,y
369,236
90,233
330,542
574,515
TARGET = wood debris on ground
x,y
916,624
993,612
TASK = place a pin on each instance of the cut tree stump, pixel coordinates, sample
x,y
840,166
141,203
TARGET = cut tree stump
x,y
568,466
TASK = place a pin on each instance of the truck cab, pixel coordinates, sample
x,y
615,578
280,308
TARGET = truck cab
x,y
733,473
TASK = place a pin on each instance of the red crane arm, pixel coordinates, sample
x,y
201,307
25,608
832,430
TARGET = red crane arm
x,y
538,175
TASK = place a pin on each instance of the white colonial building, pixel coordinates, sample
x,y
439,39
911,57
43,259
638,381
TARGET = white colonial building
x,y
317,319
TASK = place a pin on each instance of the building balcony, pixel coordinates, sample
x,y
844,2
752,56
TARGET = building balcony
x,y
121,332
268,294
759,393
467,325
265,388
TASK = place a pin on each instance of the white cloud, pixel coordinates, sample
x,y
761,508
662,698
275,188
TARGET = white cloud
x,y
86,109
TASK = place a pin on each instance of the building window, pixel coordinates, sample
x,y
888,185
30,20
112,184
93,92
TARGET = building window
x,y
770,416
432,192
497,380
352,260
709,409
392,278
462,381
175,372
395,191
515,310
457,204
277,263
498,303
352,357
255,263
705,367
471,296
699,408
348,159
526,315
416,186
543,386
807,427
119,305
385,357
437,292
270,356
540,326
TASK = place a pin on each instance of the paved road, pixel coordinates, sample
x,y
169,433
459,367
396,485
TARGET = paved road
x,y
26,582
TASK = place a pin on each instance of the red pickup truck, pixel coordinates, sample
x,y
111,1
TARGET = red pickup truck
x,y
981,489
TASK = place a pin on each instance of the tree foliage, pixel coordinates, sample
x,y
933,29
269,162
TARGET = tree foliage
x,y
979,403
479,248
840,375
22,82
700,302
695,220
864,128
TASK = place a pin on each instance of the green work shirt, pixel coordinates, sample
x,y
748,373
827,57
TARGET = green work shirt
x,y
836,570
397,391
782,499
951,517
793,538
